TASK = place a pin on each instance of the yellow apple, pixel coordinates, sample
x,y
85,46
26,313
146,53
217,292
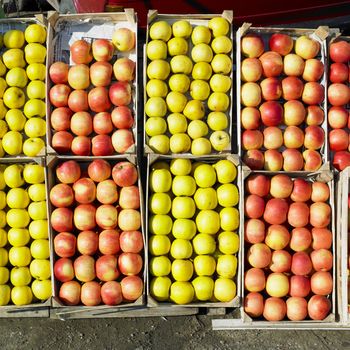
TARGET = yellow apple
x,y
37,192
160,224
3,128
228,195
159,245
203,288
42,289
40,269
33,146
13,175
183,185
226,266
180,143
40,249
180,166
184,229
217,121
220,83
226,171
160,180
5,294
158,69
12,143
183,208
17,218
177,123
36,71
194,110
208,221
36,89
202,71
35,33
156,88
204,244
229,219
21,295
34,108
221,44
14,97
219,26
3,238
160,30
13,39
17,77
200,147
182,270
197,128
155,126
181,64
224,289
156,50
181,249
38,229
3,109
159,144
33,173
160,203
35,53
4,257
37,210
4,276
181,292
17,198
15,119
35,127
14,58
201,34
155,107
160,266
19,256
20,276
202,53
199,90
18,237
177,46
160,288
204,265
182,29
221,64
206,198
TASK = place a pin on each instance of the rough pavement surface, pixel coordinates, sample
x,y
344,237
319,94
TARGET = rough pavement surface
x,y
192,332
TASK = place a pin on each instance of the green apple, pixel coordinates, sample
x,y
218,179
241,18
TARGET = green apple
x,y
183,185
158,69
199,90
226,171
19,256
3,257
38,229
203,288
159,245
208,221
155,126
33,146
3,238
201,34
228,195
180,166
194,110
182,29
226,266
156,50
17,77
14,97
155,107
228,242
37,210
201,147
181,293
13,175
181,249
220,140
18,237
177,46
34,173
160,180
34,108
182,270
160,224
204,265
17,198
160,203
183,208
202,71
35,127
4,276
20,276
221,44
159,144
219,26
177,123
204,244
202,53
5,294
184,229
221,64
36,71
197,128
160,266
156,88
217,121
12,143
3,128
181,64
179,83
220,83
40,269
218,102
180,143
37,192
40,249
229,219
36,89
176,101
160,30
205,175
206,198
160,288
42,289
15,119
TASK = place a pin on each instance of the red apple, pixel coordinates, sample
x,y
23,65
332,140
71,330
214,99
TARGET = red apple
x,y
338,73
123,141
313,70
281,186
78,101
131,241
61,195
292,160
111,293
109,242
276,210
102,123
99,100
254,304
124,39
272,64
251,69
281,261
106,268
64,244
107,192
277,237
301,190
81,124
58,72
319,307
124,69
91,293
87,242
293,137
271,89
273,160
79,77
129,220
306,47
252,139
254,231
321,283
338,117
320,215
68,172
102,145
62,220
271,113
322,260
338,94
107,216
124,174
70,293
313,160
258,184
120,93
62,141
275,309
320,192
341,160
84,217
338,140
281,43
60,118
296,308
102,50
301,239
81,146
259,256
254,159
321,238
254,206
252,45
299,286
293,65
250,118
130,263
99,170
298,214
292,88
254,280
294,113
301,264
84,190
59,95
63,270
132,287
315,115
122,117
80,52
340,51
84,267
129,197
101,73
313,93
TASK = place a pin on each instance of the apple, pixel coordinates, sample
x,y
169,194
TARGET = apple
x,y
123,39
313,93
252,45
254,159
292,160
109,242
129,197
320,192
251,69
62,220
106,192
63,270
101,73
81,123
69,293
102,50
281,261
277,284
272,64
131,241
299,286
102,123
320,214
68,172
84,268
91,293
122,117
322,259
273,160
254,304
254,280
252,139
79,77
341,160
293,65
321,283
301,239
315,115
259,255
98,99
250,118
120,93
60,118
281,43
306,47
132,287
84,190
130,263
271,113
338,73
123,140
294,113
102,145
254,206
281,186
81,146
80,52
78,101
296,308
301,264
275,309
271,89
276,210
124,69
99,170
292,88
64,244
129,220
298,214
313,70
338,117
250,94
318,307
258,184
277,237
107,216
124,174
87,242
340,51
338,94
302,190
58,72
111,293
61,195
293,137
62,141
59,95
84,217
313,160
321,238
338,140
106,268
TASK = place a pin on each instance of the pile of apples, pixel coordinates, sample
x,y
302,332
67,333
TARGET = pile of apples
x,y
193,220
289,248
22,91
188,87
93,114
97,233
282,99
24,247
339,98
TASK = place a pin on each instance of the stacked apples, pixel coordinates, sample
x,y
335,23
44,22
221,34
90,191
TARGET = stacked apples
x,y
193,223
22,92
289,248
93,114
194,115
24,254
97,239
339,97
282,99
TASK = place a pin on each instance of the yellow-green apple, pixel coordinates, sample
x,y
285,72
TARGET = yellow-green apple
x,y
250,94
122,140
160,180
69,293
61,195
130,263
155,126
160,203
221,64
177,46
98,99
81,146
159,144
62,220
99,170
175,101
68,172
124,174
220,140
102,50
122,117
60,118
65,244
180,143
202,71
219,26
217,121
199,90
202,53
106,268
254,280
79,77
106,192
155,107
338,73
102,145
156,50
78,101
251,69
313,70
183,207
159,69
58,72
182,29
157,88
181,64
293,137
84,217
281,43
120,93
63,270
124,69
201,34
102,123
177,123
306,48
205,175
123,39
277,285
129,197
221,44
109,241
220,83
101,73
84,190
87,242
272,64
197,128
81,123
226,266
90,293
111,293
59,95
315,115
218,102
252,45
80,52
132,287
273,138
84,268
338,94
183,185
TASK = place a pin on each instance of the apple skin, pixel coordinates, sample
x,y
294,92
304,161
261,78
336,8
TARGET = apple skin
x,y
252,45
124,174
98,99
281,43
250,118
101,74
338,73
102,123
107,192
106,268
62,220
129,197
58,72
131,241
292,160
60,118
132,287
65,244
122,117
272,64
124,69
80,52
296,308
322,283
129,220
111,293
277,237
254,206
299,286
313,160
102,50
293,65
320,192
90,293
281,186
251,94
322,259
314,137
298,214
130,264
271,113
315,115
301,190
301,264
68,172
259,255
107,216
59,95
120,93
321,238
340,51
81,146
78,101
306,47
254,159
251,69
63,270
320,214
69,293
79,77
122,140
293,137
99,170
338,94
313,70
123,39
81,124
281,261
61,196
102,145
